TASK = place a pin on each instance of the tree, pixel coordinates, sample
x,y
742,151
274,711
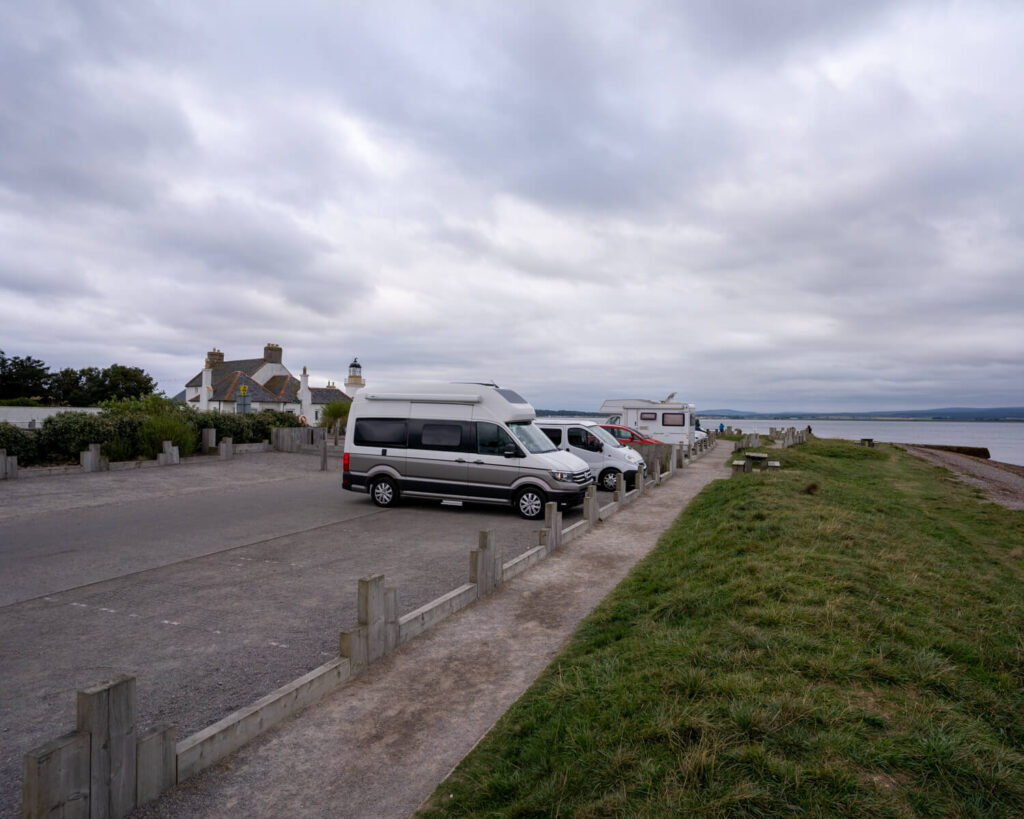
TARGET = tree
x,y
334,416
120,382
23,377
91,386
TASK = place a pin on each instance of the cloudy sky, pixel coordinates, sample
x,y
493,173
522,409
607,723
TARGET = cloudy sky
x,y
799,204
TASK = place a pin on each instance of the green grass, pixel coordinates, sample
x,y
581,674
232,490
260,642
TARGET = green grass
x,y
844,637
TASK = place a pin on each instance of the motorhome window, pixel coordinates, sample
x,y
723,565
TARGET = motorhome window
x,y
530,436
511,396
491,439
380,432
673,419
554,433
648,416
441,436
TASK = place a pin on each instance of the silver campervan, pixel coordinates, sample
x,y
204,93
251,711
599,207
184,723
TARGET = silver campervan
x,y
469,442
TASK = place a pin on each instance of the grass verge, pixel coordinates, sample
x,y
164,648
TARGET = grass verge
x,y
844,637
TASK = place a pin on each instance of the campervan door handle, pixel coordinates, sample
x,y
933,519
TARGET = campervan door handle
x,y
478,461
460,460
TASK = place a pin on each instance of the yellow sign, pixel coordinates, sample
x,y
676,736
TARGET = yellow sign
x,y
243,390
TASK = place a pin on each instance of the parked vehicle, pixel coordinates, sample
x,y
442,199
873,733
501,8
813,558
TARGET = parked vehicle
x,y
669,421
595,445
470,442
628,435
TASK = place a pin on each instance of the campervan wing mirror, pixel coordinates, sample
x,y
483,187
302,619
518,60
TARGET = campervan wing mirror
x,y
594,445
511,451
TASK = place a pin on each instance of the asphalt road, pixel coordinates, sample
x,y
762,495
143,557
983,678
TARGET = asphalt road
x,y
212,582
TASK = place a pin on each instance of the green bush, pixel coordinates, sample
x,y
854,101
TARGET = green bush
x,y
265,420
65,434
18,442
250,428
159,428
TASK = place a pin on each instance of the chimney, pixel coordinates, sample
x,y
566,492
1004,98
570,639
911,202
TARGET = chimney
x,y
214,358
272,354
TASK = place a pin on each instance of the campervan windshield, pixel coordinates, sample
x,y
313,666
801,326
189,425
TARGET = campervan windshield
x,y
604,436
531,437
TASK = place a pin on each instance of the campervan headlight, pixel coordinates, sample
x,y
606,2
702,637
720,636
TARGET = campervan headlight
x,y
558,475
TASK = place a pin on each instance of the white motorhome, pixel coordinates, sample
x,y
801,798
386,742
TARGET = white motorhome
x,y
470,442
668,421
588,440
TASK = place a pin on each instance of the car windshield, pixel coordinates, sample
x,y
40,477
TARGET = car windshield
x,y
604,436
530,436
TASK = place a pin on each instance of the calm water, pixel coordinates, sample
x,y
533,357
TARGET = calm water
x,y
1005,441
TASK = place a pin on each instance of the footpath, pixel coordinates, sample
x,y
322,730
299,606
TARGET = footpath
x,y
380,745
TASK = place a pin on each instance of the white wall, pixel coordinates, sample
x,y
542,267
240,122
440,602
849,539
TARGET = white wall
x,y
20,416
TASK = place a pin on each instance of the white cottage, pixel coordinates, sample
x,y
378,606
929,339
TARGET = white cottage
x,y
253,384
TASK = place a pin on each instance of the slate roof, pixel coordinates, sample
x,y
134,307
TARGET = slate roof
x,y
285,387
248,366
324,395
227,389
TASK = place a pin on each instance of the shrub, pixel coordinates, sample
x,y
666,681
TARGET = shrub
x,y
18,442
66,434
159,428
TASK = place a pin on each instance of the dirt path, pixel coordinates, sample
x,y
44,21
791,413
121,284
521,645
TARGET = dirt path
x,y
380,746
1002,483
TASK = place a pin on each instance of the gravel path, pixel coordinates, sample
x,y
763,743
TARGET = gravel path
x,y
380,745
1002,483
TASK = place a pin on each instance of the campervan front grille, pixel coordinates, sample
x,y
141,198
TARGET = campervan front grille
x,y
581,477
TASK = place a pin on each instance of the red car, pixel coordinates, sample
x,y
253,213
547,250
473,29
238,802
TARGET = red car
x,y
628,435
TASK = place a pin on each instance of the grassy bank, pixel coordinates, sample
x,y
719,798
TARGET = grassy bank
x,y
841,638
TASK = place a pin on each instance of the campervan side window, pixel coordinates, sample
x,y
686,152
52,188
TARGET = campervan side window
x,y
673,419
491,439
441,436
380,432
554,433
648,416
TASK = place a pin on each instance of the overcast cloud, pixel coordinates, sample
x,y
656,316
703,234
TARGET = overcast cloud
x,y
762,205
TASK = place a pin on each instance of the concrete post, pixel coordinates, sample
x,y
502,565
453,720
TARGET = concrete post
x,y
169,456
3,464
209,440
226,449
620,487
92,461
56,780
323,455
553,523
391,628
155,762
639,482
372,613
591,509
656,471
107,713
484,565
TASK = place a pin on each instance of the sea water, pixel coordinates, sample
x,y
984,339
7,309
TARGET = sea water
x,y
1004,441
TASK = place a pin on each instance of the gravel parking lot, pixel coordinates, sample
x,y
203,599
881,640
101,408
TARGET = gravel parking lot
x,y
212,582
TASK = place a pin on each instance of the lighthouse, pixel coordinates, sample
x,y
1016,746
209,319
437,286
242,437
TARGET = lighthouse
x,y
354,382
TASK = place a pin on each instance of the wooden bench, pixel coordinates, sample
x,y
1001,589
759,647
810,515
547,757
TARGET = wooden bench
x,y
738,467
867,442
773,466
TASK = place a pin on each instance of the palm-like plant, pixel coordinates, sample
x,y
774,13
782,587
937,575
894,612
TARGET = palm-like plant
x,y
334,416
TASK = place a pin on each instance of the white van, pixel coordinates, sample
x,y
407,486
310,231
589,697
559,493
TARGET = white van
x,y
470,442
598,447
668,421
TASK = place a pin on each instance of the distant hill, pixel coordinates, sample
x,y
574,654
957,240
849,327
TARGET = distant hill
x,y
545,413
943,414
